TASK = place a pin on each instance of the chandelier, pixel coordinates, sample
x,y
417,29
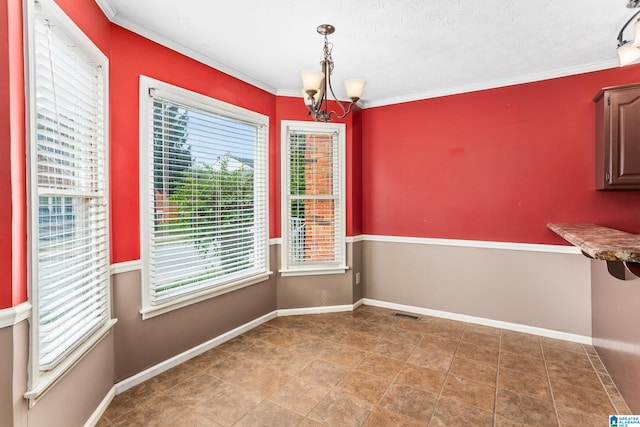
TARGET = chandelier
x,y
317,85
629,51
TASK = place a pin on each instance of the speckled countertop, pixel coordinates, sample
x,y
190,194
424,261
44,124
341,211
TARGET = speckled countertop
x,y
600,242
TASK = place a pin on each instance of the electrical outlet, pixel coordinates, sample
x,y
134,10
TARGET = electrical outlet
x,y
358,278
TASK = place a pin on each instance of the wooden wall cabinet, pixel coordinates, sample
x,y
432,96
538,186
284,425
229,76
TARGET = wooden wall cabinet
x,y
618,138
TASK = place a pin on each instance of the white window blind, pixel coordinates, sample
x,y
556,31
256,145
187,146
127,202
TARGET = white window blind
x,y
70,266
206,213
313,196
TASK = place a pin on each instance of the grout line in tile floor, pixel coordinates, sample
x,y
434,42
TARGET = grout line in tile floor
x,y
369,368
495,401
546,368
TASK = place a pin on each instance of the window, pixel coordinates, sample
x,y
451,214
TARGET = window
x,y
69,242
313,215
204,189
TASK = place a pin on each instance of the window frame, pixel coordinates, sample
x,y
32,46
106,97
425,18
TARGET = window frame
x,y
205,103
40,381
338,266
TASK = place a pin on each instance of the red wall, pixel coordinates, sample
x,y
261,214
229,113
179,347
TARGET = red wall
x,y
494,165
13,264
131,56
490,165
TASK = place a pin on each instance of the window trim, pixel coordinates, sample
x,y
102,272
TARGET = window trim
x,y
204,102
308,269
39,382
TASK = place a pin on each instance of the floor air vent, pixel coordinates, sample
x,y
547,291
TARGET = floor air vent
x,y
406,316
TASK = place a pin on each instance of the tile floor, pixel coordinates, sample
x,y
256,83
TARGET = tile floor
x,y
371,368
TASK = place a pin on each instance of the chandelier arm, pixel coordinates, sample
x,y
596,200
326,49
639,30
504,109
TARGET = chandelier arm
x,y
346,112
620,34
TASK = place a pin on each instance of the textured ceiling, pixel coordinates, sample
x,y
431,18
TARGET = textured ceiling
x,y
405,49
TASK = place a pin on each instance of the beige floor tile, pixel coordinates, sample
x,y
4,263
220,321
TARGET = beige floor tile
x,y
566,359
385,418
193,419
370,368
393,349
195,390
453,413
525,410
430,359
268,414
410,401
232,368
207,359
172,377
577,377
299,396
284,338
344,356
236,344
423,378
359,341
160,411
473,370
472,393
441,345
323,373
479,353
581,399
570,417
478,338
263,381
338,409
229,405
363,386
380,366
525,364
519,382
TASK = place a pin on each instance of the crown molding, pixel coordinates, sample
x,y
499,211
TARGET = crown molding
x,y
190,53
107,9
113,15
509,81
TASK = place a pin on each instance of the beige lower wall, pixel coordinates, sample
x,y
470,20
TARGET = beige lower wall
x,y
13,375
6,376
616,329
68,403
323,289
74,399
538,289
141,344
357,266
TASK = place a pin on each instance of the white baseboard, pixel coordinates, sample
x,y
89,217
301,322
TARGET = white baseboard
x,y
549,333
318,310
161,367
102,407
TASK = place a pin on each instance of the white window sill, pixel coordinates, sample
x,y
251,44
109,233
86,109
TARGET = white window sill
x,y
47,379
313,271
156,310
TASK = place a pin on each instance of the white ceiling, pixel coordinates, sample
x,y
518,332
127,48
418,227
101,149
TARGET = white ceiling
x,y
405,49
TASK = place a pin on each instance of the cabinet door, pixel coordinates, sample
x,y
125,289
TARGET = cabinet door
x,y
625,137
